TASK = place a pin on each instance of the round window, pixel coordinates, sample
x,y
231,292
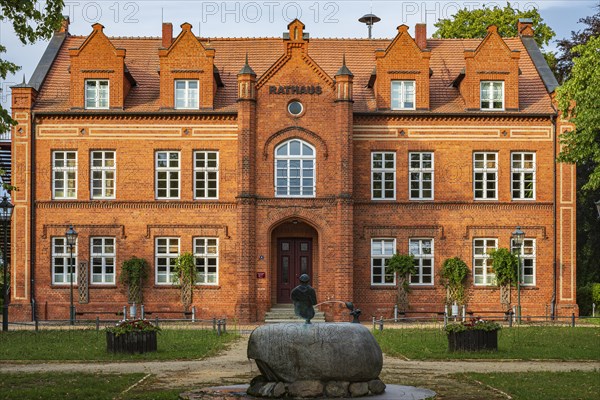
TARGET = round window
x,y
295,108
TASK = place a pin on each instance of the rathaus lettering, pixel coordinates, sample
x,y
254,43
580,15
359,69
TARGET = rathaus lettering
x,y
295,90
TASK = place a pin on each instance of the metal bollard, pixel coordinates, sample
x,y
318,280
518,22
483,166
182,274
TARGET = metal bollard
x,y
374,325
124,313
593,309
225,325
142,315
573,320
156,322
445,317
214,324
381,324
97,324
510,319
464,313
193,313
36,325
395,312
219,328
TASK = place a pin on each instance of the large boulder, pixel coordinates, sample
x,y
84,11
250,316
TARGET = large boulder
x,y
326,352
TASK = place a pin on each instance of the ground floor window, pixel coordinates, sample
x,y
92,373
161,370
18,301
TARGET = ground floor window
x,y
167,251
206,253
483,272
381,251
422,250
62,263
528,254
103,260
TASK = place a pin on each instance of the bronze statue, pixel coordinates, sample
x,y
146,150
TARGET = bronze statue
x,y
304,298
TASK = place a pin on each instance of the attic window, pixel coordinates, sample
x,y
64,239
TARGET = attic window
x,y
403,95
492,95
187,95
96,94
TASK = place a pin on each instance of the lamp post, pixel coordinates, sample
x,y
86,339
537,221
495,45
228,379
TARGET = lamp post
x,y
6,209
517,237
71,235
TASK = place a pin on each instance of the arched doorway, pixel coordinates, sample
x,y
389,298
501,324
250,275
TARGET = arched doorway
x,y
294,251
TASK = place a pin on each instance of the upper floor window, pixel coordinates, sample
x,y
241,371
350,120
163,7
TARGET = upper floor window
x,y
528,255
103,170
422,250
492,95
523,176
295,169
483,271
206,253
64,175
485,176
403,95
206,174
167,174
381,251
63,266
383,176
187,95
96,94
421,176
103,260
167,251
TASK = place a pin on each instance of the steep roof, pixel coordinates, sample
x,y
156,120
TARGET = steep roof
x,y
447,61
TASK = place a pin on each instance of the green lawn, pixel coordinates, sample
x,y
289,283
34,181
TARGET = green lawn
x,y
543,385
527,343
90,345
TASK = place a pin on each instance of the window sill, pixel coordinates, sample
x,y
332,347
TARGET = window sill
x,y
99,286
384,287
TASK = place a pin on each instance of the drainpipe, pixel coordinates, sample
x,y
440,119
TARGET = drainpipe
x,y
32,238
554,277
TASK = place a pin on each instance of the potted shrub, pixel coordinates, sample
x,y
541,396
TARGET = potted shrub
x,y
133,273
473,335
403,265
453,277
506,266
134,336
185,275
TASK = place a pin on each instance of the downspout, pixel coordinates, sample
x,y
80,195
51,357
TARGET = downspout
x,y
32,238
554,277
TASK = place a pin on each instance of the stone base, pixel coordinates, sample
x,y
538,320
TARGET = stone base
x,y
261,387
236,392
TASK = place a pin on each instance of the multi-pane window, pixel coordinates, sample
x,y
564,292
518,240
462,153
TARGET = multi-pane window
x,y
167,174
483,273
206,253
295,169
403,95
103,170
492,95
485,176
421,176
528,254
523,176
187,95
102,254
383,176
96,94
422,250
167,251
206,174
64,174
62,263
381,251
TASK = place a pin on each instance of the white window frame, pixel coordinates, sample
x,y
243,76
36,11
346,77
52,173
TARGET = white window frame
x,y
106,259
382,255
528,253
168,170
302,170
490,99
188,97
64,170
169,256
103,170
420,171
488,277
420,256
402,93
384,171
96,99
208,172
64,255
485,169
202,252
520,172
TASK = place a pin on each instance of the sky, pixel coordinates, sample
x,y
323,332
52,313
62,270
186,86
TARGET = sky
x,y
267,18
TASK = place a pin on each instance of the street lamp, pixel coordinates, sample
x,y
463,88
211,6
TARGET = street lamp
x,y
6,209
517,237
71,241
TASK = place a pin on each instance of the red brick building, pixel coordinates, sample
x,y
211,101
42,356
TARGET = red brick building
x,y
269,157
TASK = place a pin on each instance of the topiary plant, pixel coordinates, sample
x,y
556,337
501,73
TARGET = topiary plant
x,y
185,274
506,267
453,276
133,273
403,265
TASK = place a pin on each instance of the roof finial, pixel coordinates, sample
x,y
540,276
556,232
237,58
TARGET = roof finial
x,y
246,58
344,70
246,69
344,60
23,79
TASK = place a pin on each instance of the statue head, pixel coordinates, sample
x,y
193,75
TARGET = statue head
x,y
304,278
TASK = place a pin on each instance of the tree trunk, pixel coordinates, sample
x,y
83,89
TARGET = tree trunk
x,y
402,295
505,294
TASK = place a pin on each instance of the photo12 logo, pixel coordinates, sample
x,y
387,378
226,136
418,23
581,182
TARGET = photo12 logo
x,y
269,11
96,11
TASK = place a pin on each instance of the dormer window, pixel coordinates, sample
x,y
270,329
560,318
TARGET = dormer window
x,y
187,95
492,95
96,94
403,95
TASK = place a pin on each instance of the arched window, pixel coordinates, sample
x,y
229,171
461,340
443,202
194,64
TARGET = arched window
x,y
295,169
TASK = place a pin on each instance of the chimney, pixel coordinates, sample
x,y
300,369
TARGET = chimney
x,y
167,34
421,36
64,25
525,27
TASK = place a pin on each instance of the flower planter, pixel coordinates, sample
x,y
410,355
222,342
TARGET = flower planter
x,y
131,342
473,340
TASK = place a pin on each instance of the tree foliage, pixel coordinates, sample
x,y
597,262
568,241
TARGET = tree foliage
x,y
506,266
453,277
31,20
474,23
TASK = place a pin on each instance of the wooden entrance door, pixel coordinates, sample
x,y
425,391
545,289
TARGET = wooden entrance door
x,y
294,258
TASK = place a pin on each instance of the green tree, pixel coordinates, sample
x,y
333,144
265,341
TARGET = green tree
x,y
31,20
473,24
